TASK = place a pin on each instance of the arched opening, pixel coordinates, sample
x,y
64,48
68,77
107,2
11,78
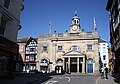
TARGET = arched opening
x,y
44,65
44,61
59,61
90,65
59,66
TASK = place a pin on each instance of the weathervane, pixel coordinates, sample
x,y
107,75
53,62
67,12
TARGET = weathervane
x,y
75,13
95,27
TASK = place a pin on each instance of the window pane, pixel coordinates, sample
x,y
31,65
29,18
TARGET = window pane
x,y
32,49
74,48
104,57
59,47
27,58
32,58
89,47
44,48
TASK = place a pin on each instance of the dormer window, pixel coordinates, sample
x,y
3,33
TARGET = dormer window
x,y
75,48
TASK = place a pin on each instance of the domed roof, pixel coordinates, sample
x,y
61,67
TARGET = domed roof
x,y
76,17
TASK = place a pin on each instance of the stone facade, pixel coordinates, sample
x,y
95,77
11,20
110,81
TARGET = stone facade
x,y
72,51
10,11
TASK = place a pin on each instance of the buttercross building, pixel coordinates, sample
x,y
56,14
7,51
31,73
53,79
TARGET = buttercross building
x,y
72,51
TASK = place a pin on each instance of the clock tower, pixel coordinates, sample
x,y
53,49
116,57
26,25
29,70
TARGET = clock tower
x,y
75,24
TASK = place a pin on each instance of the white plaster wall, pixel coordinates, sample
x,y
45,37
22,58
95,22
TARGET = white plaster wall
x,y
104,52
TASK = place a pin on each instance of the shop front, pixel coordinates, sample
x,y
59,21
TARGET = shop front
x,y
8,52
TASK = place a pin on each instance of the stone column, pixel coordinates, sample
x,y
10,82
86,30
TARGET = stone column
x,y
78,65
83,65
69,64
64,64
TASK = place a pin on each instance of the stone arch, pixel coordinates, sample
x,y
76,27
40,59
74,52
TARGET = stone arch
x,y
44,60
59,60
90,61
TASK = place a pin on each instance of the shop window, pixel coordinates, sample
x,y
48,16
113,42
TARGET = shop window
x,y
44,69
4,62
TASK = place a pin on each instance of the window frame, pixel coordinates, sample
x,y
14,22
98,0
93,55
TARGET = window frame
x,y
104,57
44,48
27,58
75,48
89,47
60,48
31,58
6,3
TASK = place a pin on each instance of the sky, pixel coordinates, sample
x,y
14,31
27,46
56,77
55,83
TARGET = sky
x,y
37,14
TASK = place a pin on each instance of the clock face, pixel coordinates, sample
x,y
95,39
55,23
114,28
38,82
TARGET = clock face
x,y
74,28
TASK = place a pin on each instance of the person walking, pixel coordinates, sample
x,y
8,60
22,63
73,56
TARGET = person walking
x,y
106,73
102,73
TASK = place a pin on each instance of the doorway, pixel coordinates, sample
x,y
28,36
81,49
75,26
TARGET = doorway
x,y
80,64
73,64
90,66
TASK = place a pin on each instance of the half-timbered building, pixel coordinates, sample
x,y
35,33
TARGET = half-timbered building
x,y
28,52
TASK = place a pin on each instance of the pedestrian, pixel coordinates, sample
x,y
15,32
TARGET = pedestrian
x,y
106,73
102,73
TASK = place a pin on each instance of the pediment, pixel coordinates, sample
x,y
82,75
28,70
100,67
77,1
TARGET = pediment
x,y
73,53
